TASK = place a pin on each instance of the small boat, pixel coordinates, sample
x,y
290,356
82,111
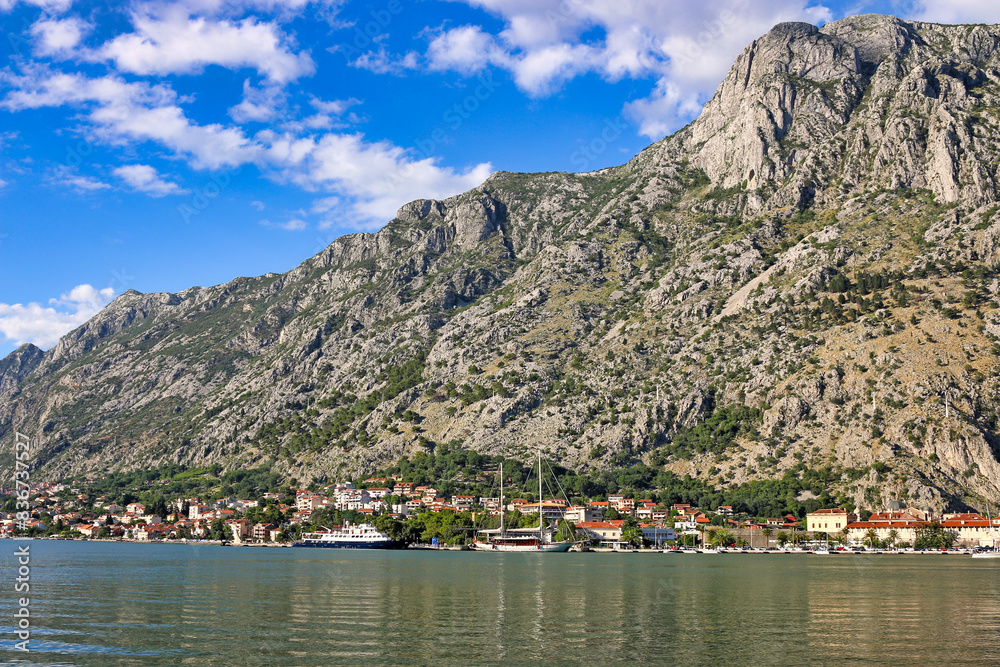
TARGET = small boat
x,y
361,536
988,552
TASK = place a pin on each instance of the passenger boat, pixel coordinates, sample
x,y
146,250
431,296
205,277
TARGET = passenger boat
x,y
361,536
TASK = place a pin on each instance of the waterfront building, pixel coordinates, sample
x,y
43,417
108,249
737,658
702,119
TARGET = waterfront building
x,y
830,521
602,532
972,529
883,523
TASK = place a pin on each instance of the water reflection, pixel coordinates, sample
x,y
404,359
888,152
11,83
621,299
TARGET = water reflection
x,y
145,604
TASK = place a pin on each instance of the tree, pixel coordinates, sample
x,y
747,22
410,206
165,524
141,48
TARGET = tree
x,y
892,538
871,537
391,527
631,532
567,531
767,531
219,530
782,539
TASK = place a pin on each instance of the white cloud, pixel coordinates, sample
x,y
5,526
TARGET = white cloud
x,y
658,113
50,6
467,49
685,47
284,9
381,62
67,177
45,325
173,42
259,205
145,178
957,11
211,146
58,37
40,87
328,117
377,177
259,104
132,111
291,225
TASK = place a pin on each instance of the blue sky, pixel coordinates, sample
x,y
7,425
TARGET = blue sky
x,y
155,145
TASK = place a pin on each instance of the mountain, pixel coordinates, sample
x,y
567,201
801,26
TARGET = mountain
x,y
803,279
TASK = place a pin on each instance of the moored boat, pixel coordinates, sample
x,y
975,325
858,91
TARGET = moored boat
x,y
538,540
361,536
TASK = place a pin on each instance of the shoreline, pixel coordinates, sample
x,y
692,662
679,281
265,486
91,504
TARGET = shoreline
x,y
962,551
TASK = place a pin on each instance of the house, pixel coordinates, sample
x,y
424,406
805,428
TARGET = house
x,y
153,532
198,511
308,501
657,534
88,530
261,532
240,528
135,508
725,510
581,514
828,521
602,532
463,503
550,511
492,505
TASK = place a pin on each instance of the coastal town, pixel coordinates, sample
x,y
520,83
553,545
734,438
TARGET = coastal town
x,y
277,518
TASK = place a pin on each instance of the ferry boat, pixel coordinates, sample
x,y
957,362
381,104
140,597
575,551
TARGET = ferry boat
x,y
361,536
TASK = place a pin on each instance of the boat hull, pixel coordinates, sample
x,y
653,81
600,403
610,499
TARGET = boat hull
x,y
558,547
987,554
357,544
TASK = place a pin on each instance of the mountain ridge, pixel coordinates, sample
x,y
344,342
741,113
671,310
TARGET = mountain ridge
x,y
807,247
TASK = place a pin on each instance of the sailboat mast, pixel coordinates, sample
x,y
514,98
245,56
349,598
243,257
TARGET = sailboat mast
x,y
501,498
539,493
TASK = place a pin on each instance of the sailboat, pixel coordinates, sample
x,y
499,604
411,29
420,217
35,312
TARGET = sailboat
x,y
521,540
993,552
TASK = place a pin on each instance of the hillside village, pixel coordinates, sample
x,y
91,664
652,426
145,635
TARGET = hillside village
x,y
68,511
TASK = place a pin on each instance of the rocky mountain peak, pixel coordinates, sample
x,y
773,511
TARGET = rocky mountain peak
x,y
805,280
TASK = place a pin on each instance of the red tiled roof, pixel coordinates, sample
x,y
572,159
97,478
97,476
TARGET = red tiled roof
x,y
600,524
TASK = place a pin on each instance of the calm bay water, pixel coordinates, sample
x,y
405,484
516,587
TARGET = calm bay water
x,y
139,604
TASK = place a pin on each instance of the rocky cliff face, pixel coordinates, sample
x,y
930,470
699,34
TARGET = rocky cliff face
x,y
820,246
